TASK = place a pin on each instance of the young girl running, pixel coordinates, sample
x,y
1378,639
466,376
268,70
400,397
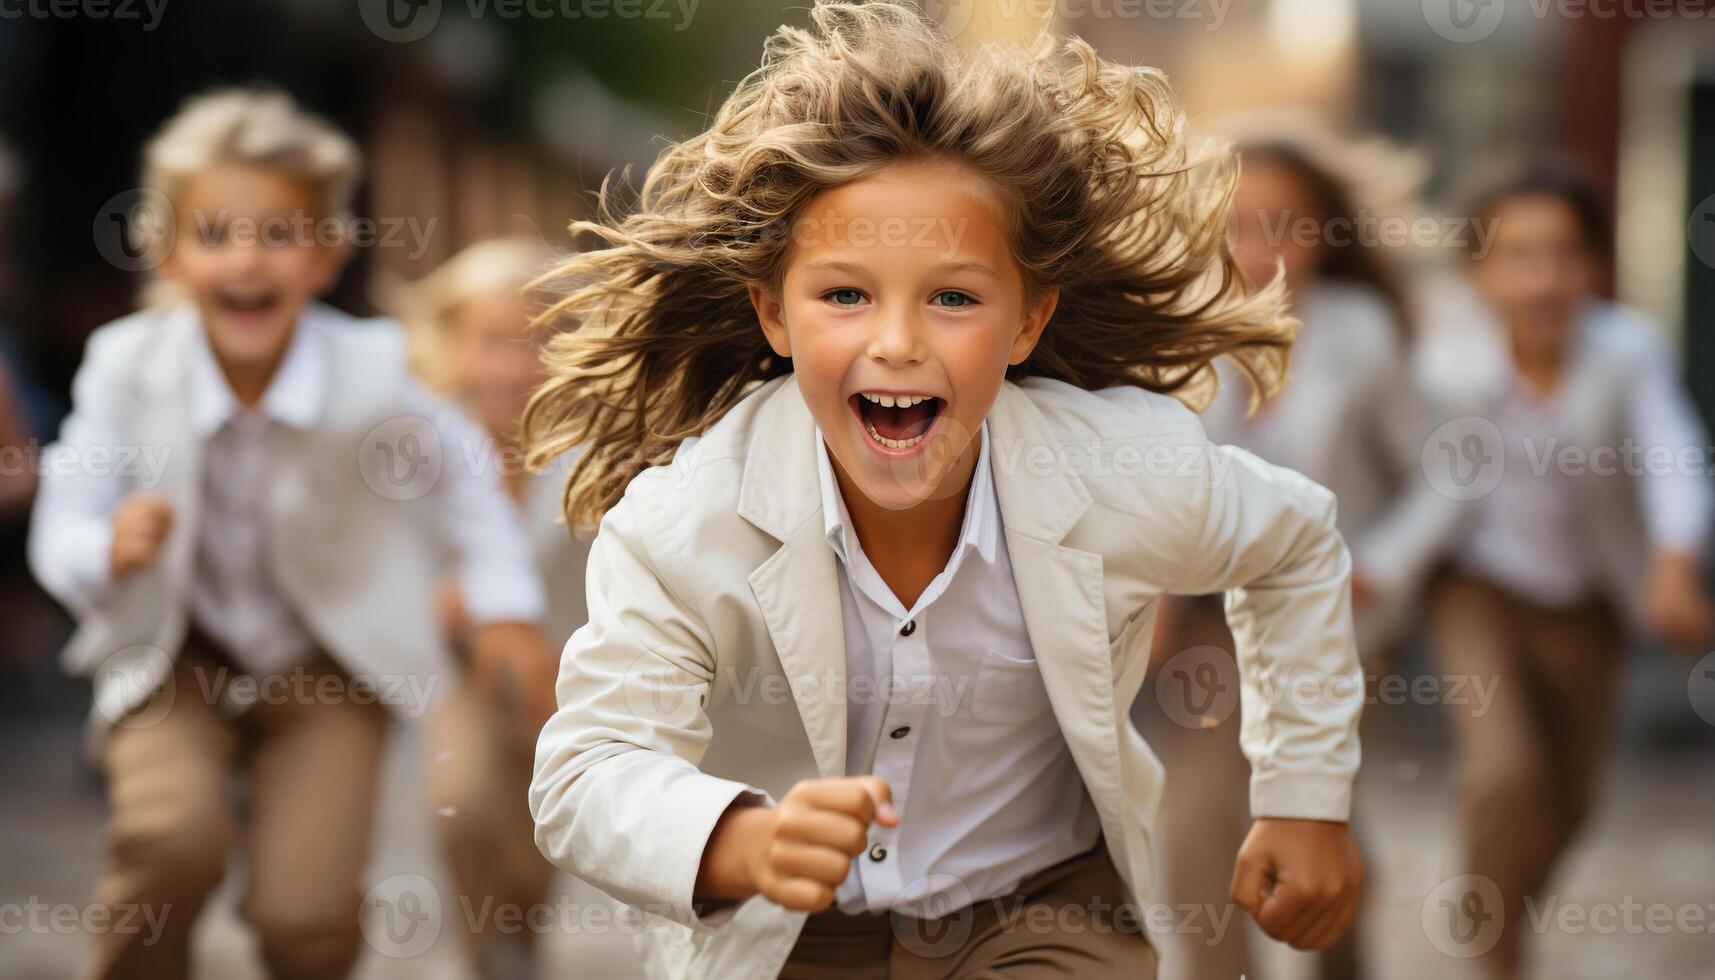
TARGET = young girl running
x,y
468,323
874,396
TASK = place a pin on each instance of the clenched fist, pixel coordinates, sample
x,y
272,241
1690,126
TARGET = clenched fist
x,y
513,662
796,853
141,524
1300,879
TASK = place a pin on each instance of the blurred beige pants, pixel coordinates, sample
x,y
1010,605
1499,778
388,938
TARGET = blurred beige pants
x,y
1205,815
1205,812
1528,765
312,764
1039,932
480,757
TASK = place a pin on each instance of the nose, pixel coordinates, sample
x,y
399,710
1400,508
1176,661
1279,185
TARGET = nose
x,y
242,257
897,338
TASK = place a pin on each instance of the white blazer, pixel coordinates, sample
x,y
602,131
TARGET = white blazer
x,y
712,660
355,557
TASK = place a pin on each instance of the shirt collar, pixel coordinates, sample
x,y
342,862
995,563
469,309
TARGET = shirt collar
x,y
980,529
293,397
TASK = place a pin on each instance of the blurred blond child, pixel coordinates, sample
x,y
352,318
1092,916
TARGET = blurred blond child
x,y
470,340
255,582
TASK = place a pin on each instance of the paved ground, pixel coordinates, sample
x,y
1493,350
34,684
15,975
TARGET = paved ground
x,y
1650,846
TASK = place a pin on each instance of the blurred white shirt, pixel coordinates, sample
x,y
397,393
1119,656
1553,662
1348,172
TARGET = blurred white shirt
x,y
1525,533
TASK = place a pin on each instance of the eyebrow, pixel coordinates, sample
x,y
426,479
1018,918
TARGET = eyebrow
x,y
852,267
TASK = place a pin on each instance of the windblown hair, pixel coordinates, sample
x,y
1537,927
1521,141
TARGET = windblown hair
x,y
1106,196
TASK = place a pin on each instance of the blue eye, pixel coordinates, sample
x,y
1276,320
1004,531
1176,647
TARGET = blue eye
x,y
962,299
834,295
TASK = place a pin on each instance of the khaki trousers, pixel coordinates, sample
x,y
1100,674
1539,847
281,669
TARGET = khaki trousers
x,y
1528,765
1065,921
1205,807
311,760
480,759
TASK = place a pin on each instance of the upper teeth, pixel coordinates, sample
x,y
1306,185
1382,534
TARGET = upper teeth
x,y
899,401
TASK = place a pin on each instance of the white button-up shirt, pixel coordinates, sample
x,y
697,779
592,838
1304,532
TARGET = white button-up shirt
x,y
946,702
1524,532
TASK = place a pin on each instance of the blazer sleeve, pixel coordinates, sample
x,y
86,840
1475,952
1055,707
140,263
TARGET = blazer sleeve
x,y
468,509
616,795
71,528
1265,536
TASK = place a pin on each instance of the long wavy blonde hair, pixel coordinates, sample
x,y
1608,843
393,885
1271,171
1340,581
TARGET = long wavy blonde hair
x,y
1110,200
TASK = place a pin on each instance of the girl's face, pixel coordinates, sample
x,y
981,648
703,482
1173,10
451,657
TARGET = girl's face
x,y
1276,218
494,361
901,308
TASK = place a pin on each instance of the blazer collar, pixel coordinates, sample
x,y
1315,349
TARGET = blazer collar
x,y
1040,496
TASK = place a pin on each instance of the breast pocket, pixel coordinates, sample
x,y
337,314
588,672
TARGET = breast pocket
x,y
1008,691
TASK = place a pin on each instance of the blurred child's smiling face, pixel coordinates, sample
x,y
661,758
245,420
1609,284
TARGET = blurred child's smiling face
x,y
1272,207
494,360
901,307
248,255
1538,269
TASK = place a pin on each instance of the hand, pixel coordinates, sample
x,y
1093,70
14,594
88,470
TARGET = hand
x,y
513,660
1300,880
797,853
141,524
1675,605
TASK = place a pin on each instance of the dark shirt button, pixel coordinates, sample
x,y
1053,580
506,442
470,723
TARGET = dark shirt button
x,y
909,628
900,732
878,853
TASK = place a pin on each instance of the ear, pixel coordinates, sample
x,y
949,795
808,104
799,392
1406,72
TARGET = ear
x,y
771,314
1035,321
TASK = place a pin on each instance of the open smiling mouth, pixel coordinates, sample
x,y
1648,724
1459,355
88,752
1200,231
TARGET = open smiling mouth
x,y
897,422
247,305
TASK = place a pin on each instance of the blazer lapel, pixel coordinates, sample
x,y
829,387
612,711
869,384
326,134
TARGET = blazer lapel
x,y
1060,588
798,588
166,427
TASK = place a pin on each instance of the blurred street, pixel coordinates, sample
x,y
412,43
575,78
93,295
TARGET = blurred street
x,y
1648,844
